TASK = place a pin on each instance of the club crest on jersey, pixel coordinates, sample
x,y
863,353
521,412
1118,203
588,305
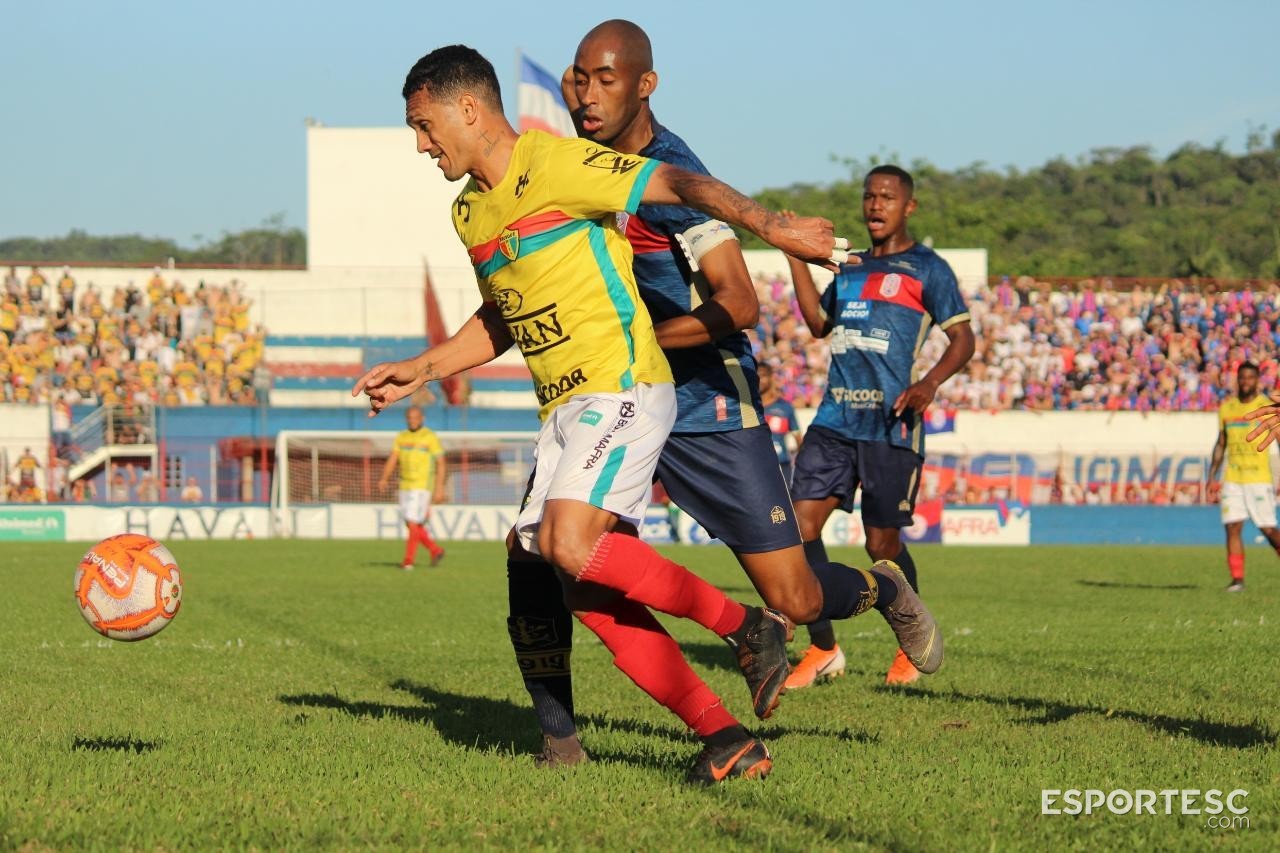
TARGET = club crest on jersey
x,y
509,243
890,285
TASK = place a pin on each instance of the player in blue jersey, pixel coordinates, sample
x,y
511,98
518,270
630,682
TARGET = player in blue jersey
x,y
718,463
780,417
869,432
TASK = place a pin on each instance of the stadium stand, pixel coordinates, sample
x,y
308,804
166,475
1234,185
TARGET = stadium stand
x,y
1166,347
164,344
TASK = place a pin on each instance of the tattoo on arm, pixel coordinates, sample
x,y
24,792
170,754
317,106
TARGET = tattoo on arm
x,y
722,201
429,373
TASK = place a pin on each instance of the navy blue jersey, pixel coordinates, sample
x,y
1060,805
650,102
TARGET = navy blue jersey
x,y
881,311
781,418
716,385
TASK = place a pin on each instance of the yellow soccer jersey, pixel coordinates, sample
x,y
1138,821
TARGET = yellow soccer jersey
x,y
1244,463
417,452
546,249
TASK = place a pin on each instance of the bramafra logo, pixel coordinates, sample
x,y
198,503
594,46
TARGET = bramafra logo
x,y
1224,809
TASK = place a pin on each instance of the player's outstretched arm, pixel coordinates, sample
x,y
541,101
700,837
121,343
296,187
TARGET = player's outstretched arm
x,y
808,299
481,339
733,305
1268,426
809,238
960,346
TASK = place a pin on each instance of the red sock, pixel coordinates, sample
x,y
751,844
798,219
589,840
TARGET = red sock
x,y
411,544
645,652
425,538
1235,562
643,575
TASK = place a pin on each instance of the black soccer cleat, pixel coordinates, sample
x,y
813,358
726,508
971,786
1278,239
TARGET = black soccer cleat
x,y
749,759
761,647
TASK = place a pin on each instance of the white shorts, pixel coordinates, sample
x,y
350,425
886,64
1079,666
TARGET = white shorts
x,y
599,449
1254,501
415,505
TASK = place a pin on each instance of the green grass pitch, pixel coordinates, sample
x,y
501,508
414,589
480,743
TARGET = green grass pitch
x,y
310,695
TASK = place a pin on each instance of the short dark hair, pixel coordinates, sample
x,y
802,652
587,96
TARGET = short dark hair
x,y
1247,365
896,172
447,72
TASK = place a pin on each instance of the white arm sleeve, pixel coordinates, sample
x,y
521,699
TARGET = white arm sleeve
x,y
701,239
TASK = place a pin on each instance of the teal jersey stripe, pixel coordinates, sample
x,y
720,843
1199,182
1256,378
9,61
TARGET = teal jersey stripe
x,y
607,473
622,301
642,181
531,244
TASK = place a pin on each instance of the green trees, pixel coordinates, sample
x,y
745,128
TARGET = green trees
x,y
271,243
1119,211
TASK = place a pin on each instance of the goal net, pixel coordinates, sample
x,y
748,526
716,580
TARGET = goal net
x,y
324,469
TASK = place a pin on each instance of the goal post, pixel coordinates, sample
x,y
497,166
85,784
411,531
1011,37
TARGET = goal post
x,y
321,469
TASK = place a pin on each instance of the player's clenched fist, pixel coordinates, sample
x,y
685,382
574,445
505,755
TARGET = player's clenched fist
x,y
390,381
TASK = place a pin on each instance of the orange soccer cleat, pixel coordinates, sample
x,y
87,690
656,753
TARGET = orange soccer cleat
x,y
902,671
816,666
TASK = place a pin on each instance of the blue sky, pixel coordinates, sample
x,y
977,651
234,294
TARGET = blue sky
x,y
180,119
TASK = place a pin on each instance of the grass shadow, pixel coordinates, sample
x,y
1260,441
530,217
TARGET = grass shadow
x,y
1047,711
114,744
1118,585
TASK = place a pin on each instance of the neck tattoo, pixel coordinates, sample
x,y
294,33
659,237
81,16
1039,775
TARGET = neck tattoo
x,y
491,142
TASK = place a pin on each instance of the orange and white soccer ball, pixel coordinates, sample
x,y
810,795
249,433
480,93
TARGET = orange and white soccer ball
x,y
128,587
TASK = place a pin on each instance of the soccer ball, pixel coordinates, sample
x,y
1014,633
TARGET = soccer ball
x,y
128,587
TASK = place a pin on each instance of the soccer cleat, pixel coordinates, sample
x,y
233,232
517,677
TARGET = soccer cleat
x,y
901,671
761,647
437,557
406,567
817,665
560,752
1235,586
911,621
749,759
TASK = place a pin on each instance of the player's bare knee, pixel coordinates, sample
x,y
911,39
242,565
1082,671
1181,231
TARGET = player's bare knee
x,y
564,547
883,544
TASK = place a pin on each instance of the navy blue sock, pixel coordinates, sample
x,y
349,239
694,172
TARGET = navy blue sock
x,y
541,629
821,633
908,567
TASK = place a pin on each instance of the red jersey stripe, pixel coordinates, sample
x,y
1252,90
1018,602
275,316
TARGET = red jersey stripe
x,y
526,227
896,288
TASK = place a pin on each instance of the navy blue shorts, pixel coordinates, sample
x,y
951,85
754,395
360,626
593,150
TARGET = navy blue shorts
x,y
731,484
829,466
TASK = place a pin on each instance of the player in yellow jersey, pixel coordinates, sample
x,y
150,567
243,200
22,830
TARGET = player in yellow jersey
x,y
420,456
539,219
1246,490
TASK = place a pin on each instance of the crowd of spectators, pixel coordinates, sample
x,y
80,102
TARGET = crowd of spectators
x,y
166,344
1090,346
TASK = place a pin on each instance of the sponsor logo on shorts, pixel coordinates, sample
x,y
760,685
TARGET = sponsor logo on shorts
x,y
858,398
626,412
904,506
596,452
538,331
590,416
777,515
855,309
554,390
